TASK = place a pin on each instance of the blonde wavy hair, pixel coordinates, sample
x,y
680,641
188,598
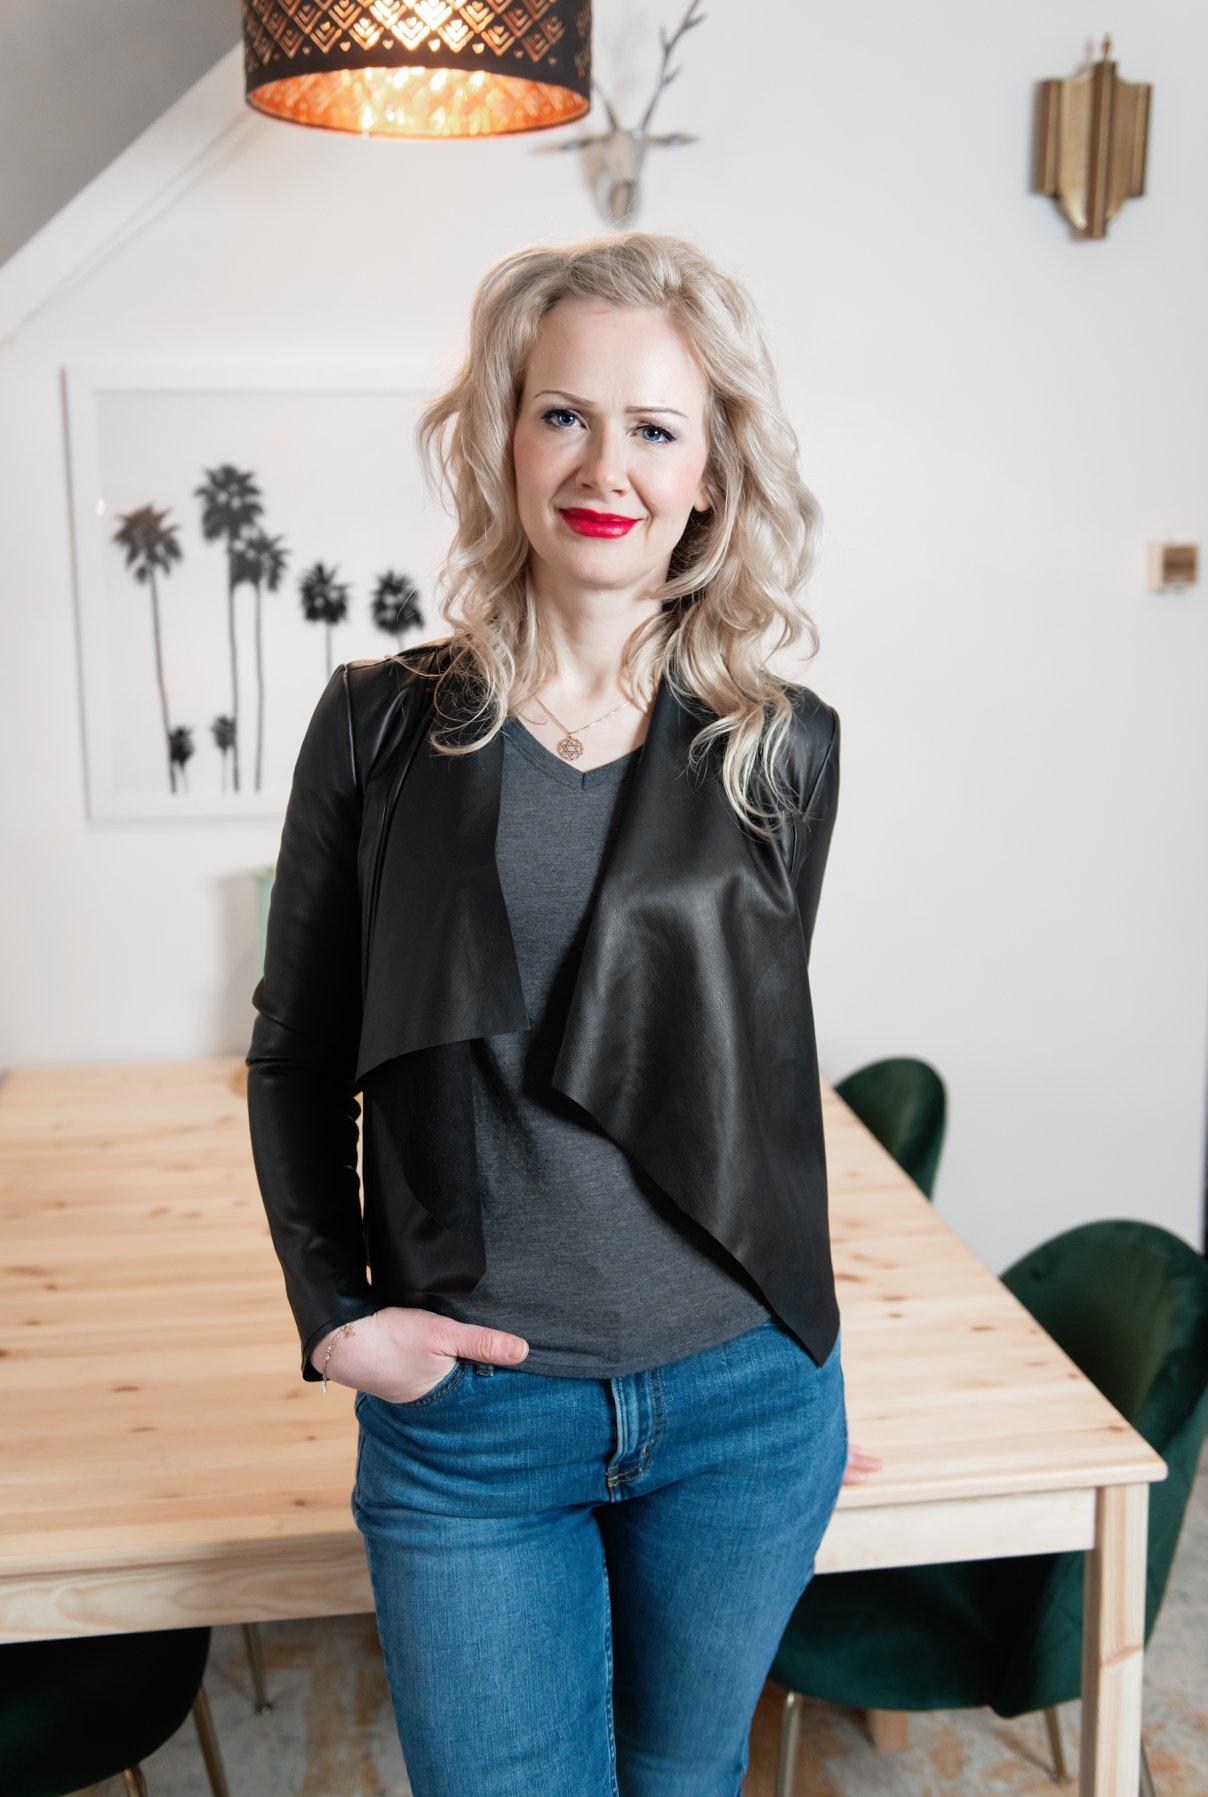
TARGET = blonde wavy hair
x,y
735,571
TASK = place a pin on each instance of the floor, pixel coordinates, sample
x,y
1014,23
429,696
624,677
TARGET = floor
x,y
331,1732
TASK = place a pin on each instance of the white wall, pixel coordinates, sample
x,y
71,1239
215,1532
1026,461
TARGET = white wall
x,y
995,417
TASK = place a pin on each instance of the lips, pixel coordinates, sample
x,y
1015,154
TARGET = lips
x,y
597,524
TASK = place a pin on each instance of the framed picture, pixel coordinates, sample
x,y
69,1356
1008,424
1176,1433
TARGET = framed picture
x,y
238,532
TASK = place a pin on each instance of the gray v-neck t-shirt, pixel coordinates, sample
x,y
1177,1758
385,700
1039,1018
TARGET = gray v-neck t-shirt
x,y
588,1259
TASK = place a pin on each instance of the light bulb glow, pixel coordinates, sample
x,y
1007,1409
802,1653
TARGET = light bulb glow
x,y
419,102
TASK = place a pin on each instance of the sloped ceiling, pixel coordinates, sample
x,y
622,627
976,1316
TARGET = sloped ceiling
x,y
80,80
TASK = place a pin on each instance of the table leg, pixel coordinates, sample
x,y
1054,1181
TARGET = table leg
x,y
1113,1640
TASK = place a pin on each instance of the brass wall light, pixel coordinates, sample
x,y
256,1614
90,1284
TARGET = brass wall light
x,y
1093,131
430,70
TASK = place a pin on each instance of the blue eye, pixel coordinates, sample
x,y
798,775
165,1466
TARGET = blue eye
x,y
568,412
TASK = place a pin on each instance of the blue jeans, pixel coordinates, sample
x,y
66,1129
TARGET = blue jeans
x,y
581,1584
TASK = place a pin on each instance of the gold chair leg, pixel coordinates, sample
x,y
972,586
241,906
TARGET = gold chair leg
x,y
889,1729
255,1658
790,1736
1052,1721
1147,1789
209,1744
135,1783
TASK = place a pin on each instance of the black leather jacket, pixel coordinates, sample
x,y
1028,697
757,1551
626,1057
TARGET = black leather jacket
x,y
689,1036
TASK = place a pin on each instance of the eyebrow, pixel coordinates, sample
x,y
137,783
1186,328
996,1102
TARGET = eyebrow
x,y
561,393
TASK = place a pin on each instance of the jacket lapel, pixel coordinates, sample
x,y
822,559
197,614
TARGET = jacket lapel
x,y
441,965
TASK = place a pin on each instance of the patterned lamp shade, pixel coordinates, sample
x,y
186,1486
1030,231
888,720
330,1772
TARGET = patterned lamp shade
x,y
433,69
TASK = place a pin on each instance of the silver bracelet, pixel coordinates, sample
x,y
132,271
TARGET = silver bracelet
x,y
344,1329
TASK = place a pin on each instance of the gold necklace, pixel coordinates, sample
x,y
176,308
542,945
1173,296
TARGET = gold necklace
x,y
571,747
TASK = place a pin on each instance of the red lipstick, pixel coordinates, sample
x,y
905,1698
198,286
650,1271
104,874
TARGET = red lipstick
x,y
597,524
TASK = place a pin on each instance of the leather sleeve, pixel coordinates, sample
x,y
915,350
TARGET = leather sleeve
x,y
812,833
302,1111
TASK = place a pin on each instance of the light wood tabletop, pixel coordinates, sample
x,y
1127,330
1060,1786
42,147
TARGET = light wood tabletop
x,y
163,1464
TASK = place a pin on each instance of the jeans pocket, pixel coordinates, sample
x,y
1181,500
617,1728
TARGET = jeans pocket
x,y
444,1385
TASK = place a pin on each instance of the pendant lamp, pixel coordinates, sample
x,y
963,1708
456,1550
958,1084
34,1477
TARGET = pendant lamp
x,y
429,70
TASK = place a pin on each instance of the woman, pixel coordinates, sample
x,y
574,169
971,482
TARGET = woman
x,y
545,897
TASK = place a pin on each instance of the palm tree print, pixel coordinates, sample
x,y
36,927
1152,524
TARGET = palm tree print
x,y
324,601
223,732
395,604
151,547
260,561
230,505
180,749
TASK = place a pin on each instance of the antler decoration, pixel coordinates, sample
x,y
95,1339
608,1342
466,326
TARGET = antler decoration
x,y
620,152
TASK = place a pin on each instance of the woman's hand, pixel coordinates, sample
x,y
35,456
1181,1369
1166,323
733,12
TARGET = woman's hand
x,y
858,1465
398,1354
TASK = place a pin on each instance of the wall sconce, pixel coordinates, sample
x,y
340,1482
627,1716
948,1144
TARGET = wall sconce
x,y
392,69
1093,130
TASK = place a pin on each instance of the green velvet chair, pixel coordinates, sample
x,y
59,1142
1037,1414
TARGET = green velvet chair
x,y
1128,1302
76,1711
902,1103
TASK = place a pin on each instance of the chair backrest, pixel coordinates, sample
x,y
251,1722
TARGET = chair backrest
x,y
903,1103
1128,1302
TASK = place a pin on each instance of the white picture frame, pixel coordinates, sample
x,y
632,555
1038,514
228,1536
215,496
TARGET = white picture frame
x,y
303,476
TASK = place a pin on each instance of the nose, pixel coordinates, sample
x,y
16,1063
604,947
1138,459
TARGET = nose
x,y
602,464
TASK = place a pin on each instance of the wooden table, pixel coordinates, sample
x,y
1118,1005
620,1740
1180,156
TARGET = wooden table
x,y
162,1462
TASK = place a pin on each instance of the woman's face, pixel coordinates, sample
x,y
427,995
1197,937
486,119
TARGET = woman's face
x,y
611,426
